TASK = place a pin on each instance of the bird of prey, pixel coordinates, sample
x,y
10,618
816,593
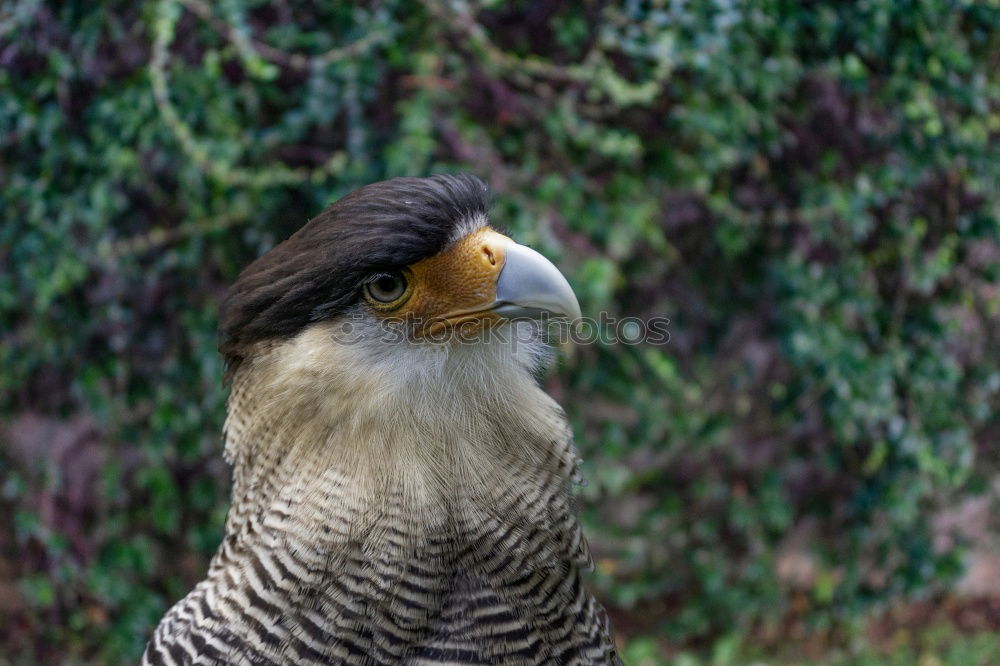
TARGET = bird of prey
x,y
401,484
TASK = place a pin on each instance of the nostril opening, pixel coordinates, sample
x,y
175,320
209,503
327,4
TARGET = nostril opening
x,y
489,255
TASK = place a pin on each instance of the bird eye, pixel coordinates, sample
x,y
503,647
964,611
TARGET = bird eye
x,y
386,289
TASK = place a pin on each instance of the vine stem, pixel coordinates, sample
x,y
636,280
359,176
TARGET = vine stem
x,y
167,15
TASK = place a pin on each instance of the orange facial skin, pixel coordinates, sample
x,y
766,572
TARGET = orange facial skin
x,y
456,287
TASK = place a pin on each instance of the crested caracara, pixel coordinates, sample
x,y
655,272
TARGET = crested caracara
x,y
401,484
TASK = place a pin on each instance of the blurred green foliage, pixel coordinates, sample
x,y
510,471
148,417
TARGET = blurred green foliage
x,y
936,645
808,190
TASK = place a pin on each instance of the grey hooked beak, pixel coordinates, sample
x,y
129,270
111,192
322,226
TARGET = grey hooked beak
x,y
530,285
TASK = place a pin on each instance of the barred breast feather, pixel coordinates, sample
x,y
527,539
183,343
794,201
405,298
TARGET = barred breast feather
x,y
424,531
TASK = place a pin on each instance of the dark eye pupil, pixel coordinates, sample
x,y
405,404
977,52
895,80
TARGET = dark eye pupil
x,y
386,288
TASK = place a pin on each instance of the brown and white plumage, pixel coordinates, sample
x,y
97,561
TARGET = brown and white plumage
x,y
395,501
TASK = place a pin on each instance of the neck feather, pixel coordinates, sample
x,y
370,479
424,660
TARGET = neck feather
x,y
327,433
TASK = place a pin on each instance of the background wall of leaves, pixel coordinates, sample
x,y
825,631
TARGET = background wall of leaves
x,y
808,191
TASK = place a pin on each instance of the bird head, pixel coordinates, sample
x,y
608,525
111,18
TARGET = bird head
x,y
414,257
